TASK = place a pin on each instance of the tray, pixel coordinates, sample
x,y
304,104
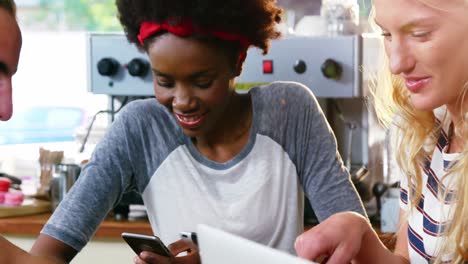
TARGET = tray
x,y
30,206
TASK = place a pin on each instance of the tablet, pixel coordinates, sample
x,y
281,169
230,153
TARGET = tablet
x,y
217,246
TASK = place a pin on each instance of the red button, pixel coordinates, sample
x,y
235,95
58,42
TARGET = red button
x,y
267,66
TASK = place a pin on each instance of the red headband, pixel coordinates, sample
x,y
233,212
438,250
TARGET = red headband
x,y
186,28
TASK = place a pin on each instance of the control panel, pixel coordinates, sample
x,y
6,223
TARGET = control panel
x,y
329,66
117,67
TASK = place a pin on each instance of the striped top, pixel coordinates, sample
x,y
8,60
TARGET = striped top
x,y
430,218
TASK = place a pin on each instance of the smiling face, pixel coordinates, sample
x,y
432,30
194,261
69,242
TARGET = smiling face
x,y
193,80
427,45
10,46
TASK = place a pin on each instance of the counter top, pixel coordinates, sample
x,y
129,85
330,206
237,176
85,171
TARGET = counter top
x,y
110,228
32,225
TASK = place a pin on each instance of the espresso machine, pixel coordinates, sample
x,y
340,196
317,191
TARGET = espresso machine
x,y
336,69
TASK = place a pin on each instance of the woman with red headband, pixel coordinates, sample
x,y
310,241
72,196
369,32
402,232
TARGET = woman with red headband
x,y
201,152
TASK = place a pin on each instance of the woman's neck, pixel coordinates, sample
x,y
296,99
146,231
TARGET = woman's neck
x,y
456,116
229,138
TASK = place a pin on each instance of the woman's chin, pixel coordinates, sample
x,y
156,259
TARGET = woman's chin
x,y
422,103
191,133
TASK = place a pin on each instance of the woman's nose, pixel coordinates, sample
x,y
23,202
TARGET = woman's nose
x,y
6,105
183,99
401,60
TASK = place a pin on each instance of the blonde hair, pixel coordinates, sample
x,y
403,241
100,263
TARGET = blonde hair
x,y
417,137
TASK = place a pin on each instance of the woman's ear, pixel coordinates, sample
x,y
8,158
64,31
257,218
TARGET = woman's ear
x,y
238,69
240,62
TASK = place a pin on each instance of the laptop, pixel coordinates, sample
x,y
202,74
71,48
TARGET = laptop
x,y
219,247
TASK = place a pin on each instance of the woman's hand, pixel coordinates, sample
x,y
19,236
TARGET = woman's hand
x,y
191,256
338,239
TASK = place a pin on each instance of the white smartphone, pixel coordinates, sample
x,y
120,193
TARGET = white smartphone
x,y
139,243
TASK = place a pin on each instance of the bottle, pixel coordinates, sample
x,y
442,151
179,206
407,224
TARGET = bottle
x,y
341,17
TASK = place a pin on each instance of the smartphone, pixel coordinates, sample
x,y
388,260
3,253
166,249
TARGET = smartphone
x,y
141,243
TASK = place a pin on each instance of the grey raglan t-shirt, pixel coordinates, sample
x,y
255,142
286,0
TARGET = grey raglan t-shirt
x,y
259,194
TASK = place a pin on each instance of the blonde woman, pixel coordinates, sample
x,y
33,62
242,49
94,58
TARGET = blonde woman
x,y
424,97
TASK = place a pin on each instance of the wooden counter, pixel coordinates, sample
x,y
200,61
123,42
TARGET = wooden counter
x,y
110,228
32,225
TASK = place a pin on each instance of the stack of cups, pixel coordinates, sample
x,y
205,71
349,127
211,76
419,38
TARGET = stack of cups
x,y
341,17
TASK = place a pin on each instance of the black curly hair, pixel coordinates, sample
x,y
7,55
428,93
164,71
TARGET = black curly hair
x,y
9,6
254,19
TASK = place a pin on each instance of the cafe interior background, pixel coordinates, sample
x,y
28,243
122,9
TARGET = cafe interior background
x,y
66,94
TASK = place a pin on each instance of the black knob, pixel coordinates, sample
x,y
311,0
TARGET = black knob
x,y
378,190
332,69
300,66
108,67
138,67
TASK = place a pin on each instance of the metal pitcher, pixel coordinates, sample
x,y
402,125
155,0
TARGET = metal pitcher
x,y
63,178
